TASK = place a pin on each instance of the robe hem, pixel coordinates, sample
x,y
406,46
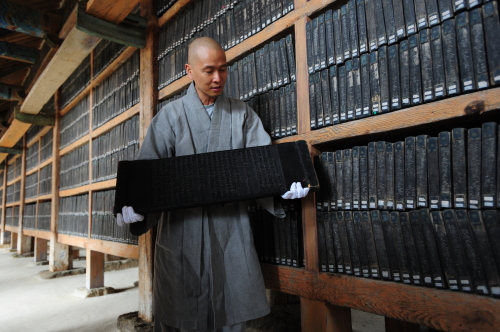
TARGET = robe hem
x,y
187,323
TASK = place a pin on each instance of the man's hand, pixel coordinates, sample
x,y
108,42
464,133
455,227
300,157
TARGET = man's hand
x,y
296,191
128,216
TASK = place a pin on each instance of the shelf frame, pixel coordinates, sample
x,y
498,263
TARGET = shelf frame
x,y
439,309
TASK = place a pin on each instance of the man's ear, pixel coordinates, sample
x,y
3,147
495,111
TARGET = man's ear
x,y
189,70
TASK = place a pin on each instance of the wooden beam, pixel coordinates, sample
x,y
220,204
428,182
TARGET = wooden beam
x,y
13,87
18,53
22,19
10,150
14,69
37,233
43,63
123,33
149,99
68,57
94,276
106,247
114,11
440,309
40,250
41,119
468,105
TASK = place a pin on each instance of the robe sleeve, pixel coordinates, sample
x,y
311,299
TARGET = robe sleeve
x,y
158,143
257,136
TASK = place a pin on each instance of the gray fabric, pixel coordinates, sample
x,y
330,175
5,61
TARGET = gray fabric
x,y
241,327
207,273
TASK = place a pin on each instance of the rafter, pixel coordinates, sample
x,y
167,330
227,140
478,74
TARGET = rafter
x,y
131,32
13,69
114,11
18,53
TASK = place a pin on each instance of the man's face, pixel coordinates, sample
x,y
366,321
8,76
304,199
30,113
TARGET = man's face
x,y
209,72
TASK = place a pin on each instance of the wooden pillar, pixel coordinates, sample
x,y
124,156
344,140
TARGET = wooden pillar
x,y
338,319
40,250
395,325
13,241
59,253
24,244
149,99
23,241
2,214
303,116
94,277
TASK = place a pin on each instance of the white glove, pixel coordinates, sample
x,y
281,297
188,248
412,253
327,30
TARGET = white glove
x,y
296,191
128,216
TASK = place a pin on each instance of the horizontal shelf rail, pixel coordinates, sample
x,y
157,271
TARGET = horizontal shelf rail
x,y
440,309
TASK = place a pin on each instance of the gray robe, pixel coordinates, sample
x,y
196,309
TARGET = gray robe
x,y
205,260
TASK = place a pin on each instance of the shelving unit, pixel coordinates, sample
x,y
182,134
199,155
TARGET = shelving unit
x,y
326,298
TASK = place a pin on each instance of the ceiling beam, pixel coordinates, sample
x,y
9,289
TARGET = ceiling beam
x,y
18,53
10,150
41,119
22,19
114,11
68,57
13,87
131,32
13,69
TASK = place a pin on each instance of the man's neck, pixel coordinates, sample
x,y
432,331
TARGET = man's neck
x,y
205,100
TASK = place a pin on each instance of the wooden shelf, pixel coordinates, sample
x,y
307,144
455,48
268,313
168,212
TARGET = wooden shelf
x,y
75,145
11,182
37,233
47,197
14,229
103,185
461,106
35,139
39,166
440,309
106,247
254,41
128,114
17,203
172,11
121,59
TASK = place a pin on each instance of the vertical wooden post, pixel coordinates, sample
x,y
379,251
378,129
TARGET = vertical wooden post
x,y
149,99
303,116
313,313
91,102
94,277
396,325
24,241
338,319
40,250
59,253
13,241
2,199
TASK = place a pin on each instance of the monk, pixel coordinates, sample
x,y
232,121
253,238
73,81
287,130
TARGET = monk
x,y
207,275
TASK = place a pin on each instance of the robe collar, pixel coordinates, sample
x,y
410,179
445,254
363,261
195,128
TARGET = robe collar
x,y
208,135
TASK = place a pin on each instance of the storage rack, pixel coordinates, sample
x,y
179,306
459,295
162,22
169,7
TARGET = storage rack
x,y
326,298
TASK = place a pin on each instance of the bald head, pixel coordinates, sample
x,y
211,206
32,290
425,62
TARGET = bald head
x,y
203,47
207,67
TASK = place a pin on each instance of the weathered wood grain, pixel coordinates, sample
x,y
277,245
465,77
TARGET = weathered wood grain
x,y
440,309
